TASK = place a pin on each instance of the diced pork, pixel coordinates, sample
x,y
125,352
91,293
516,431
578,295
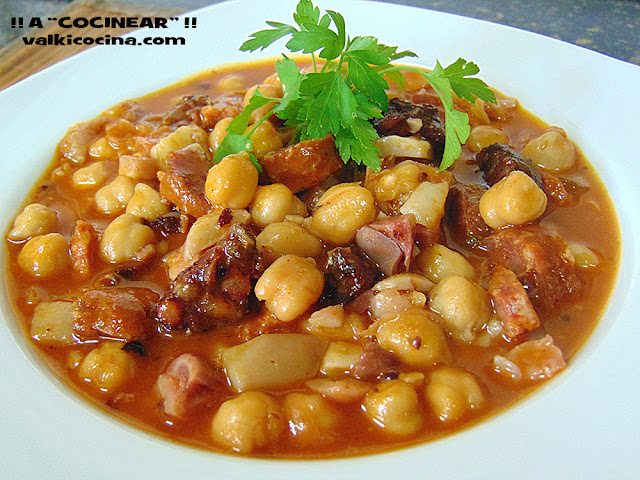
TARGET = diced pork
x,y
541,260
389,243
497,161
75,144
375,362
348,273
406,119
114,313
511,303
184,384
227,105
183,182
186,111
530,361
302,165
216,289
462,213
83,247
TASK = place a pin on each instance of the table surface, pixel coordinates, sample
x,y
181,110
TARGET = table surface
x,y
611,27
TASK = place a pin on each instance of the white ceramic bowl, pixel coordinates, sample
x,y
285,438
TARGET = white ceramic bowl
x,y
583,424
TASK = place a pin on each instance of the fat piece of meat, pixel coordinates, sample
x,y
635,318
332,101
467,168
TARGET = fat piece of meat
x,y
183,182
511,303
186,111
406,119
302,165
348,273
530,361
462,213
185,383
216,289
540,259
375,362
227,105
389,242
122,313
497,161
83,247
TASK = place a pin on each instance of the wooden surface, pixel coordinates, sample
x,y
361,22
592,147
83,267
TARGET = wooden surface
x,y
18,61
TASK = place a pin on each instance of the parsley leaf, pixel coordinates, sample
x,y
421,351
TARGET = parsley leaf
x,y
341,96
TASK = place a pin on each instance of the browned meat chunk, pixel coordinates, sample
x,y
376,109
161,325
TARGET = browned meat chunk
x,y
497,161
216,289
83,245
375,362
183,182
185,383
303,164
348,273
75,144
511,303
462,213
186,111
530,361
540,259
561,193
166,224
389,243
115,313
228,105
406,119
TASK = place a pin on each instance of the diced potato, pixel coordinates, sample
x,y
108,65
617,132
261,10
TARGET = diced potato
x,y
52,323
273,360
426,203
340,358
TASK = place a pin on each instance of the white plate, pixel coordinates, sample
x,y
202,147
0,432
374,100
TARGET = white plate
x,y
584,424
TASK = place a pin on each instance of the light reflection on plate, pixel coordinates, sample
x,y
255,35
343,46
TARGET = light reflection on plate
x,y
583,424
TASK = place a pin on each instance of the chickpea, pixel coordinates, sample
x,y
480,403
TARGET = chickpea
x,y
390,302
102,149
125,239
463,306
219,132
182,137
271,91
438,261
514,200
452,393
112,199
248,422
312,420
426,203
146,203
91,176
265,139
233,182
287,238
45,255
35,219
272,203
290,286
584,256
341,212
231,83
482,136
415,337
108,367
411,147
552,151
394,406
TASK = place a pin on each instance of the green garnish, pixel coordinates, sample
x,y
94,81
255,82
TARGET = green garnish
x,y
340,96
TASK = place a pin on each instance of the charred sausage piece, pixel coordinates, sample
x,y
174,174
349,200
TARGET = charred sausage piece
x,y
497,161
389,242
166,224
115,313
186,111
348,273
183,182
540,259
185,383
511,303
462,213
216,289
406,119
302,165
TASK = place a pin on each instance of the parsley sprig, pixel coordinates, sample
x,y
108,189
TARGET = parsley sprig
x,y
346,88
